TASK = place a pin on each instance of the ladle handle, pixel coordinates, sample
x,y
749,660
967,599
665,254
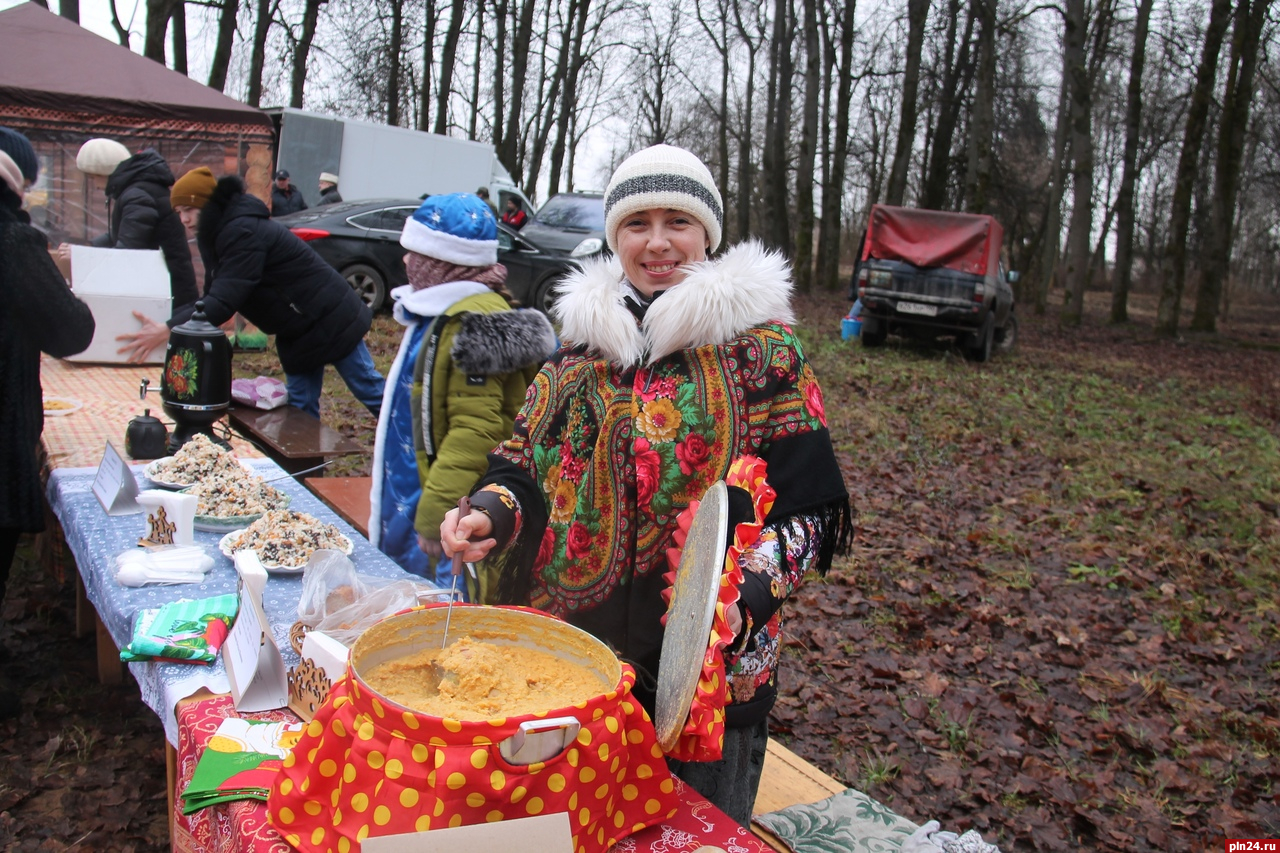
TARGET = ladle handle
x,y
464,509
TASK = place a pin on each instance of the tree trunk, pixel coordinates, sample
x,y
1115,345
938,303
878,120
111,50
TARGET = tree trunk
x,y
1124,203
1173,266
158,14
982,122
569,101
500,60
1047,266
808,151
69,9
746,169
956,80
510,153
122,34
310,17
394,48
833,192
222,47
179,21
448,57
475,73
777,231
1076,274
257,60
1250,19
431,17
917,17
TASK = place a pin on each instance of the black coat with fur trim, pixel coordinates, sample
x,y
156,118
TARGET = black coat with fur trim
x,y
40,314
261,269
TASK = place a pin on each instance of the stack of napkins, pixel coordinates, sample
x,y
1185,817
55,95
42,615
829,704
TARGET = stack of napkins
x,y
183,631
239,762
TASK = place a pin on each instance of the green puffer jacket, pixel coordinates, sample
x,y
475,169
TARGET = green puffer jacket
x,y
469,382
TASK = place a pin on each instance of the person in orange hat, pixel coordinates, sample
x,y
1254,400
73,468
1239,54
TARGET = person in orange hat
x,y
259,268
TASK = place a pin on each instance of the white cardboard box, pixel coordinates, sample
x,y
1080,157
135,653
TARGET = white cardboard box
x,y
114,283
547,833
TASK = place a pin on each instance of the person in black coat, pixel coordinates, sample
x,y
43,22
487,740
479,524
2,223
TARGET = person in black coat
x,y
142,218
41,314
328,189
285,197
261,269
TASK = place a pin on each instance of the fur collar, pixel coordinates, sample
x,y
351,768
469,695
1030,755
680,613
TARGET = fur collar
x,y
719,300
502,342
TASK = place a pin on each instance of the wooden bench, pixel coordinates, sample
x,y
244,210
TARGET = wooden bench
x,y
347,496
292,438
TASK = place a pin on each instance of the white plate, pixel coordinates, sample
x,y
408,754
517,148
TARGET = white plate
x,y
225,542
151,470
72,405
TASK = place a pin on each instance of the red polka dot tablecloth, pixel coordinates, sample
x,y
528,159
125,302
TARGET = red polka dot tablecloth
x,y
241,826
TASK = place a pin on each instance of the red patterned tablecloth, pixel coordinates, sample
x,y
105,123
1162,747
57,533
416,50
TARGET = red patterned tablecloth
x,y
110,397
241,826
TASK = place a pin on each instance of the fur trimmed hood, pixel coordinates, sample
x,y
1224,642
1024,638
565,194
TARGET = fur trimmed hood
x,y
717,301
502,342
228,201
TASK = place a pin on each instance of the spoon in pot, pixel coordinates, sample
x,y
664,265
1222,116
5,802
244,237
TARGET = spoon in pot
x,y
464,509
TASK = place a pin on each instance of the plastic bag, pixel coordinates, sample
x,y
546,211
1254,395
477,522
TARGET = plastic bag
x,y
262,392
348,623
329,583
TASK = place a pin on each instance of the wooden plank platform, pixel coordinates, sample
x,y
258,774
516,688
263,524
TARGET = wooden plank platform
x,y
291,437
347,496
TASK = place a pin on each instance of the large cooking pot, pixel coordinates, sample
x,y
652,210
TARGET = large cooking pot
x,y
368,766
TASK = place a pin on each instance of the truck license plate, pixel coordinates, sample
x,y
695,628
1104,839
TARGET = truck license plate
x,y
917,308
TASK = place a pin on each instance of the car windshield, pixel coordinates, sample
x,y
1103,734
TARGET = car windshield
x,y
580,213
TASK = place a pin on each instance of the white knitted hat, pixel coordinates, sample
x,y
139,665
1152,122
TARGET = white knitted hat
x,y
11,174
101,156
667,177
329,177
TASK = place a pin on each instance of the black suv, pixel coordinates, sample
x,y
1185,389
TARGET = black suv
x,y
569,224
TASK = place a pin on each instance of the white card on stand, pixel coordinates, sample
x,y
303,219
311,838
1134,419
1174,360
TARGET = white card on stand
x,y
114,484
254,664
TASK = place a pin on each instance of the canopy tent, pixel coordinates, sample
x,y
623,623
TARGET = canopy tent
x,y
61,84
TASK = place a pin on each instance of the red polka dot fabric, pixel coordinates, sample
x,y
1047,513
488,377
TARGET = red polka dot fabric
x,y
366,768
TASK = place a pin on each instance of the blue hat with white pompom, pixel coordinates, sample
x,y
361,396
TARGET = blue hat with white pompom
x,y
458,228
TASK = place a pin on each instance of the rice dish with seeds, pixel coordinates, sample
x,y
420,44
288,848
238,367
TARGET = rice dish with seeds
x,y
232,494
196,460
286,538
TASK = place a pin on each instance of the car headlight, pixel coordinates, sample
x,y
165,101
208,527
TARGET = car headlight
x,y
589,246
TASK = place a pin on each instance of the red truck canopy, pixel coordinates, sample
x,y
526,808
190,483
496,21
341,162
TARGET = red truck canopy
x,y
966,242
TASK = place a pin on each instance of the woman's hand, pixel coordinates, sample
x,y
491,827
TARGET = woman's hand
x,y
469,535
140,344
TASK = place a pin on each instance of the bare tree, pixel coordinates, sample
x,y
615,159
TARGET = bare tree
x,y
178,26
448,57
394,50
1174,264
917,17
122,33
777,232
69,9
982,122
833,191
258,59
808,150
302,50
1250,17
1124,203
158,14
752,32
521,39
718,35
958,70
228,10
1077,266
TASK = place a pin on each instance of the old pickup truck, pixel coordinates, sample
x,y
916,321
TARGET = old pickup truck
x,y
932,273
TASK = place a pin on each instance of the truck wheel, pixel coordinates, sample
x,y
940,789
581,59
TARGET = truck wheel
x,y
1007,337
979,344
368,284
873,332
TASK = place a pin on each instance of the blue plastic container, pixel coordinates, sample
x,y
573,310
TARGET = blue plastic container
x,y
850,327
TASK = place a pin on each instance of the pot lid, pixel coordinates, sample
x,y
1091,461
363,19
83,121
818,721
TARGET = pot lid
x,y
690,614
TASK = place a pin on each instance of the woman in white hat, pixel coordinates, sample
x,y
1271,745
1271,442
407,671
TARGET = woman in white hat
x,y
677,371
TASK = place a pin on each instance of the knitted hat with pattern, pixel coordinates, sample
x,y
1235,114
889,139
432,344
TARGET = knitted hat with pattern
x,y
194,189
19,149
666,177
458,228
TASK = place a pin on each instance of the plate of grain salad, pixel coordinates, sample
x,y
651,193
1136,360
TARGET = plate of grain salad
x,y
284,540
229,500
196,460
